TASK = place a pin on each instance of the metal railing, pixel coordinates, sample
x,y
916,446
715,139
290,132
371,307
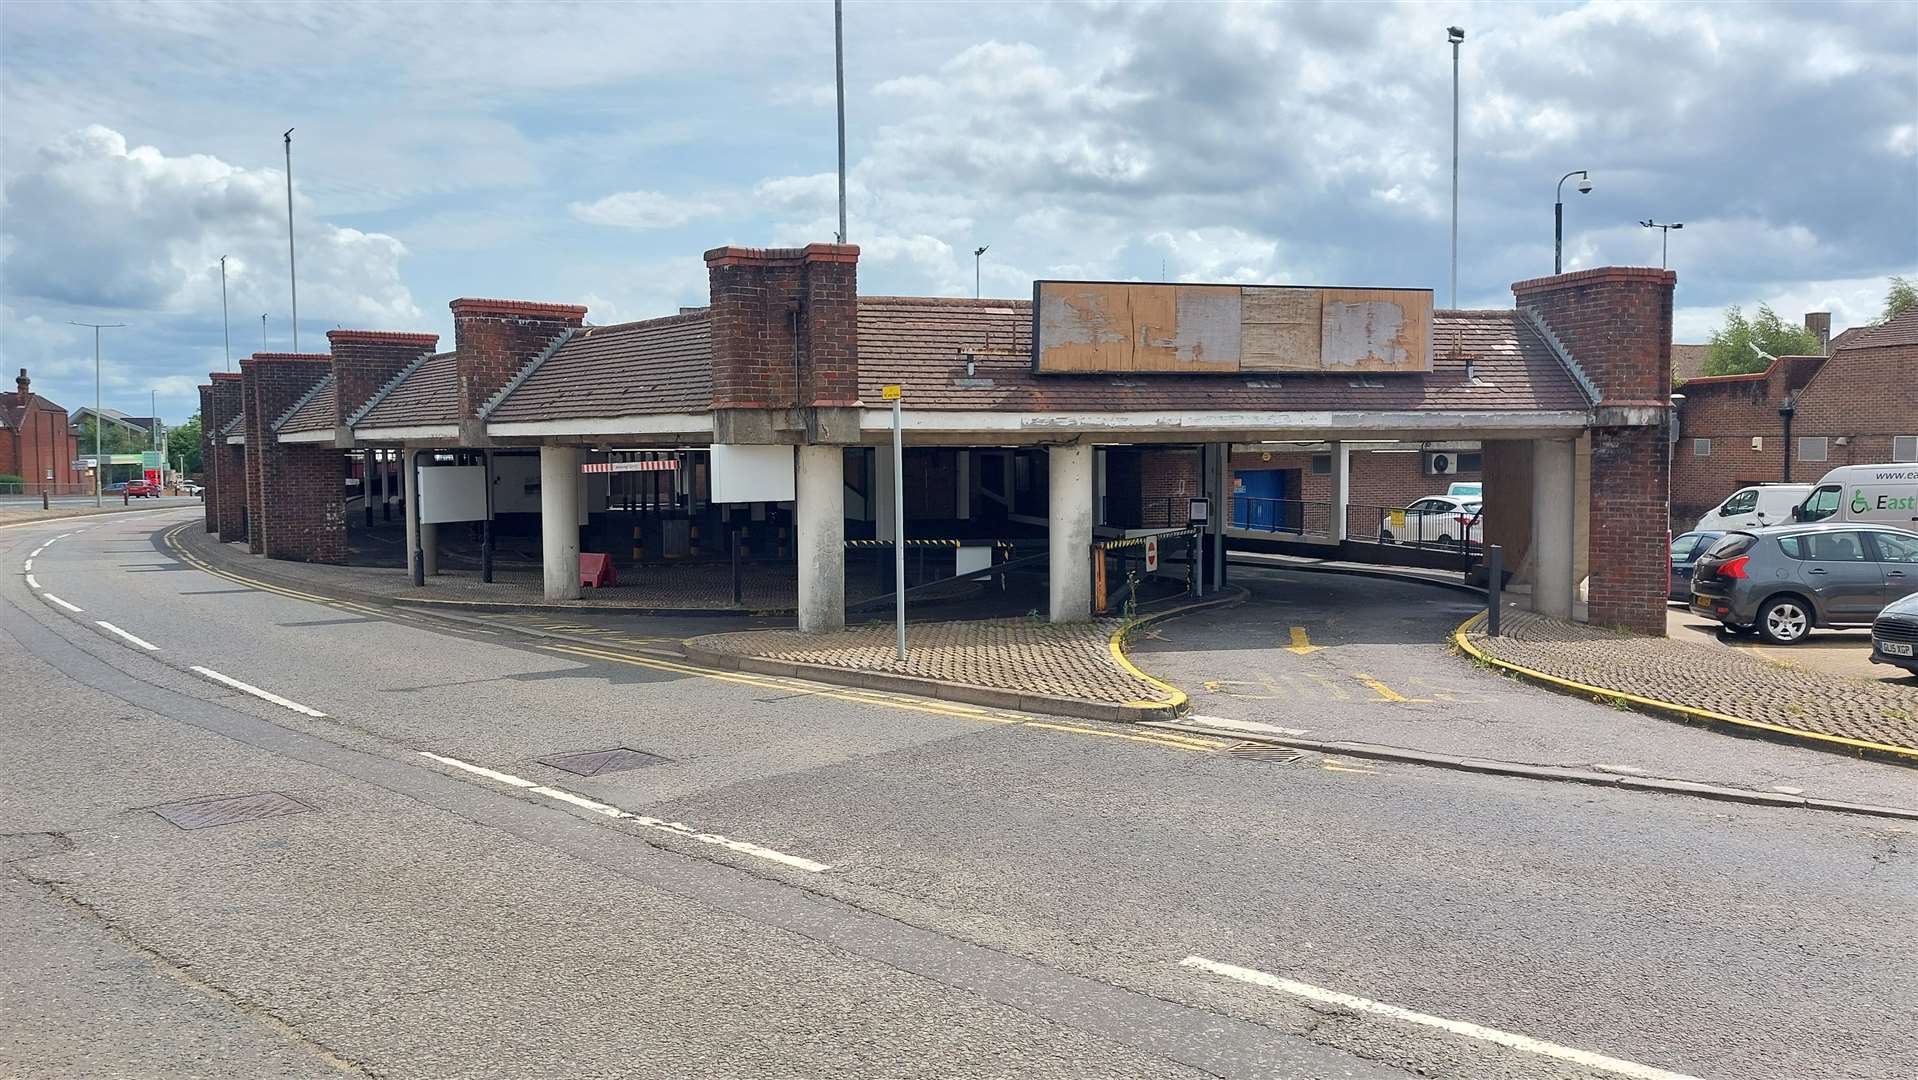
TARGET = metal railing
x,y
1299,517
1403,527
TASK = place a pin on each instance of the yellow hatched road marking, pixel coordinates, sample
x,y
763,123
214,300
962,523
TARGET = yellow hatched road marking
x,y
1385,692
1301,644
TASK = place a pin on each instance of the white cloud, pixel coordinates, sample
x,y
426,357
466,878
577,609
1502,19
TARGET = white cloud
x,y
644,210
95,223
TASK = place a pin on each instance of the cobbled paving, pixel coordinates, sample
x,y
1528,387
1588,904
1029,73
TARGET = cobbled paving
x,y
1718,680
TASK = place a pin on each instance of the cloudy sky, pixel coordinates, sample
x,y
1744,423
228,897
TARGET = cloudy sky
x,y
589,152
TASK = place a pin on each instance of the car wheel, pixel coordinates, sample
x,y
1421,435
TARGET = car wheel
x,y
1784,620
1446,541
1385,536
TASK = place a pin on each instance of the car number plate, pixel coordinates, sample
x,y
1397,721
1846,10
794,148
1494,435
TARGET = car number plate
x,y
1701,601
1895,648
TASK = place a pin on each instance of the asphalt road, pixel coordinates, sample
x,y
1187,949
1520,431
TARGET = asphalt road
x,y
823,882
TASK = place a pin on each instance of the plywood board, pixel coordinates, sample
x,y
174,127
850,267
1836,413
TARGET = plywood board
x,y
1376,330
1282,328
1129,327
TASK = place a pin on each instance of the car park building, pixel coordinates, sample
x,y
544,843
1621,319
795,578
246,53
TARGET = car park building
x,y
764,411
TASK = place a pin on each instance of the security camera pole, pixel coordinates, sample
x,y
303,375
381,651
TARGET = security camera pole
x,y
1664,238
226,330
99,463
977,254
292,276
1558,216
1455,35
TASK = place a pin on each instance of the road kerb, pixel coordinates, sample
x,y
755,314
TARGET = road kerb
x,y
1553,773
1900,755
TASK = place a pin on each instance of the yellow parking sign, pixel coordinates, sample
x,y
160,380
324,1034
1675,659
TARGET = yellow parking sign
x,y
889,392
1398,519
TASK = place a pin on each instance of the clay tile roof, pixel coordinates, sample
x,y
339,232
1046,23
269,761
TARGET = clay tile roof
x,y
921,343
427,393
1900,329
235,426
1688,362
606,372
314,412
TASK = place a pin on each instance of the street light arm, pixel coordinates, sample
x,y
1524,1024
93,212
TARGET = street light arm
x,y
1561,181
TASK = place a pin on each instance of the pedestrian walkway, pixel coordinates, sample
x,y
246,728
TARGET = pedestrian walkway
x,y
1017,656
1715,684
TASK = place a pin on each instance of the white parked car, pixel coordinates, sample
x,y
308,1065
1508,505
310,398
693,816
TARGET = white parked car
x,y
1436,520
1754,508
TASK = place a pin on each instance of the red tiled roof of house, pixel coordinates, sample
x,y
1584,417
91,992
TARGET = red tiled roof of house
x,y
426,393
921,343
1688,362
1901,329
606,372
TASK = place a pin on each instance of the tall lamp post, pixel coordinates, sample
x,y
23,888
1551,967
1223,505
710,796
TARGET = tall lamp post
x,y
977,254
99,466
1558,216
1455,35
1664,238
226,330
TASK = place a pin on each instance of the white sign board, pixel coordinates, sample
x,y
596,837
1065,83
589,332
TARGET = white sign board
x,y
452,493
515,483
972,558
745,474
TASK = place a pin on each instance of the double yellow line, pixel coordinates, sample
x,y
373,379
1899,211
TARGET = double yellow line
x,y
906,702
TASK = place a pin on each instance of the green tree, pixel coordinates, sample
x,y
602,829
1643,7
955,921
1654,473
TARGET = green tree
x,y
1731,349
183,446
1901,297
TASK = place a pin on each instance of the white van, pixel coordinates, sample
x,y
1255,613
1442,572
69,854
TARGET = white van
x,y
1880,494
1752,507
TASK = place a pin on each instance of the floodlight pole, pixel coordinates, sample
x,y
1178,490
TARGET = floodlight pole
x,y
99,466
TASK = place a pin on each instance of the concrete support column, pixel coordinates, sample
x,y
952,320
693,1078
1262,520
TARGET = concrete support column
x,y
421,539
1069,532
882,483
559,520
1554,516
1340,492
964,470
821,524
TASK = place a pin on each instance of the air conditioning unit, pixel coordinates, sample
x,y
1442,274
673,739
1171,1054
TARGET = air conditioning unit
x,y
1440,463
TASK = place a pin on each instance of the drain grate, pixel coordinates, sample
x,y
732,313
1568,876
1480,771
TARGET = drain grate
x,y
1277,755
229,809
594,762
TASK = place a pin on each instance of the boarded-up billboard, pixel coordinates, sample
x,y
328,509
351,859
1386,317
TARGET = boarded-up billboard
x,y
1140,328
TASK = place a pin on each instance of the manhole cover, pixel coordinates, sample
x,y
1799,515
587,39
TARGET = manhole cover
x,y
1277,755
594,762
229,809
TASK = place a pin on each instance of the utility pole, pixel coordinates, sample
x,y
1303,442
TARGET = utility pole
x,y
1456,35
292,275
262,331
226,331
977,253
99,464
839,77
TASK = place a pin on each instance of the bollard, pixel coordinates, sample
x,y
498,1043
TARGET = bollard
x,y
1494,582
738,583
44,504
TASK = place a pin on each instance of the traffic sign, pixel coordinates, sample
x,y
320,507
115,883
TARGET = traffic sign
x,y
890,392
1151,554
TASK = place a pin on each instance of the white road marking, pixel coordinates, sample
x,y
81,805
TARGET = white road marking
x,y
29,566
62,603
263,695
31,583
1526,1043
677,828
1246,725
35,553
140,641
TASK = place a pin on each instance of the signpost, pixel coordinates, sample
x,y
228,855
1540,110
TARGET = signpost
x,y
890,392
1151,554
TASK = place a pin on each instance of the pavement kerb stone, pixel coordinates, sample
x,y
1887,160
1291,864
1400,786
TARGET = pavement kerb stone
x,y
1553,773
990,697
1899,755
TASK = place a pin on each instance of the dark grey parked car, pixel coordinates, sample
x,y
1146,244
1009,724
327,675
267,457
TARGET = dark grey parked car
x,y
1783,581
1894,635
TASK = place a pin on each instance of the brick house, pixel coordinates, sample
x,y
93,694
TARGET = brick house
x,y
37,443
1799,418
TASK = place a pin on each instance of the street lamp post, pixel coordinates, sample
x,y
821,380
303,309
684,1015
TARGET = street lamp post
x,y
1558,216
226,330
1455,35
977,254
99,466
1664,238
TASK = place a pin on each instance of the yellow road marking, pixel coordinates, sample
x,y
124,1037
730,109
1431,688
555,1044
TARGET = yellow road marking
x,y
1385,692
1301,644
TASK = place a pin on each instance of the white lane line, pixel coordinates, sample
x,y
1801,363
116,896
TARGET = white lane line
x,y
29,566
62,603
31,583
35,553
140,641
676,828
263,695
1457,1027
1246,725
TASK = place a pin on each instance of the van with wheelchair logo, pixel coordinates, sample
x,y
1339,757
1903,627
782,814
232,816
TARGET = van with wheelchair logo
x,y
1879,494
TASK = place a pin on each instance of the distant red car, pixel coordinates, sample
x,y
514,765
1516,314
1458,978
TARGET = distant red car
x,y
141,489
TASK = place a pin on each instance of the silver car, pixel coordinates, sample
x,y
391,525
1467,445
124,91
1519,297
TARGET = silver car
x,y
1781,582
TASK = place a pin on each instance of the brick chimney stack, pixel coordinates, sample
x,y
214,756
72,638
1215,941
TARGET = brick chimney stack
x,y
365,360
785,325
494,338
1818,323
24,384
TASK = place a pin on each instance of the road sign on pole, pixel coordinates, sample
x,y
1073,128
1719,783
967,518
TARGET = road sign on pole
x,y
891,393
1151,554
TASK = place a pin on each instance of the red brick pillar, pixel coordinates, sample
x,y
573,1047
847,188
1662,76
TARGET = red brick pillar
x,y
366,360
495,338
1616,322
295,491
206,459
225,465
